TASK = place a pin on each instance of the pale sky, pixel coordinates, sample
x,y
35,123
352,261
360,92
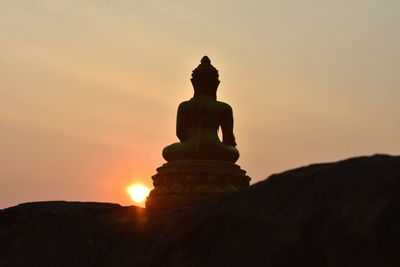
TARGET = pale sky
x,y
89,89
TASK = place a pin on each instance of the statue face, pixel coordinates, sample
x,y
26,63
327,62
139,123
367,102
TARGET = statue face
x,y
206,87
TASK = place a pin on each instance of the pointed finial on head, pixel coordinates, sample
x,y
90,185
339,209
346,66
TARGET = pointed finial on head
x,y
205,60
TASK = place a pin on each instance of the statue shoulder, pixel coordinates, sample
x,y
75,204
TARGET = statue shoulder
x,y
224,105
184,104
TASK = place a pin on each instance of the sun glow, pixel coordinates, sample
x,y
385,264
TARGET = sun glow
x,y
138,192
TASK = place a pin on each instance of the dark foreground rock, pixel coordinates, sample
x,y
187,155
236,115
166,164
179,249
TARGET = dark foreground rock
x,y
336,214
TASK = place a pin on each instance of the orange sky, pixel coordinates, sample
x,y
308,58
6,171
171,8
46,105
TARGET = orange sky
x,y
89,89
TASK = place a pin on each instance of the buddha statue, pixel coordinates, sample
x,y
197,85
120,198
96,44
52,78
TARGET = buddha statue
x,y
199,119
200,168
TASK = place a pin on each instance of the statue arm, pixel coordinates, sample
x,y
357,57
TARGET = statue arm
x,y
227,129
180,124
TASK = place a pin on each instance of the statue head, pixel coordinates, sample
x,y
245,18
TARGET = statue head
x,y
205,79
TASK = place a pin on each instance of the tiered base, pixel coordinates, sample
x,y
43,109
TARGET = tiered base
x,y
185,183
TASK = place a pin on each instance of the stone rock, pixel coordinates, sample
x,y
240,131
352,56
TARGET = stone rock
x,y
335,214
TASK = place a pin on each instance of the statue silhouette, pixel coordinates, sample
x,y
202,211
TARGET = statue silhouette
x,y
199,119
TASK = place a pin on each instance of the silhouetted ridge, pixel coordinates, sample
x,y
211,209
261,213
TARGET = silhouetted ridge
x,y
335,214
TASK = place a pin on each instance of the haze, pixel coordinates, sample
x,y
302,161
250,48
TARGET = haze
x,y
89,89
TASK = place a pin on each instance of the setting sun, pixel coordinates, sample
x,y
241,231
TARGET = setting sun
x,y
138,192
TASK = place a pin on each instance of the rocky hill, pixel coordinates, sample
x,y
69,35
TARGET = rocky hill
x,y
345,213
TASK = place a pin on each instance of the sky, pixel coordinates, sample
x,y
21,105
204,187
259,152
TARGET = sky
x,y
89,89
